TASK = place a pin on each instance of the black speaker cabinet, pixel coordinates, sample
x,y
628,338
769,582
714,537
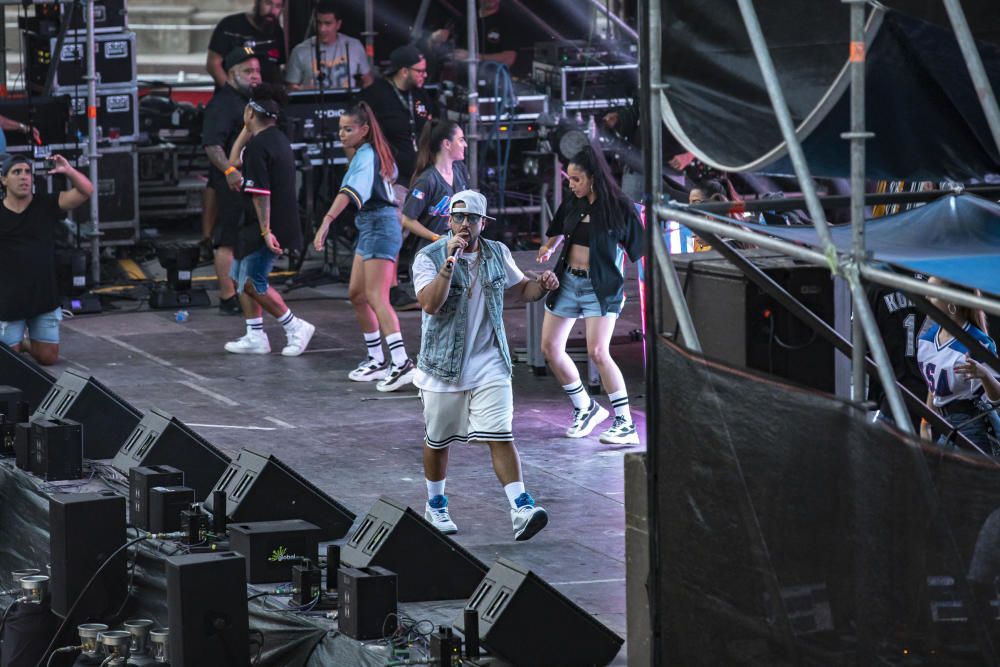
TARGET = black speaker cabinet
x,y
739,324
142,479
161,439
262,488
260,541
165,506
365,598
20,370
107,419
9,398
524,620
85,529
22,445
56,449
207,610
430,566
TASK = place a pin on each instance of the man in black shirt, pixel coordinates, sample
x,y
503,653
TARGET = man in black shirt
x,y
28,295
258,30
223,123
273,223
900,323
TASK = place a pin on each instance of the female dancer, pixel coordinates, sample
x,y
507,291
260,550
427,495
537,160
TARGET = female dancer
x,y
599,225
368,186
440,174
957,383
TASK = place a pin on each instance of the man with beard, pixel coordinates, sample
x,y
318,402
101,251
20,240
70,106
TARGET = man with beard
x,y
29,299
343,61
223,123
258,30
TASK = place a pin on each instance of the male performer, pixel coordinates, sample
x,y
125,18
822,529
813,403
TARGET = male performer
x,y
342,59
223,124
269,179
464,368
28,295
258,30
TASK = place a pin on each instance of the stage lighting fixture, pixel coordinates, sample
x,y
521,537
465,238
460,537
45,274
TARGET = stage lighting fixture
x,y
89,633
33,588
180,262
531,165
73,286
159,645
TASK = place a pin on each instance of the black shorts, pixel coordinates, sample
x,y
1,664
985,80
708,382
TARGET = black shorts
x,y
231,208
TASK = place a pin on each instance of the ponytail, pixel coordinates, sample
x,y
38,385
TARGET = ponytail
x,y
365,116
432,136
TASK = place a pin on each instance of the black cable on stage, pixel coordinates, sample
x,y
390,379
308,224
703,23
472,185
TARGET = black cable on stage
x,y
86,588
3,619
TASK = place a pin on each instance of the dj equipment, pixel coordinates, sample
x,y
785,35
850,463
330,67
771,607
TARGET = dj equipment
x,y
141,481
311,118
263,543
262,488
85,529
564,53
166,503
56,449
207,610
587,86
162,439
107,419
21,371
366,597
115,60
528,622
430,565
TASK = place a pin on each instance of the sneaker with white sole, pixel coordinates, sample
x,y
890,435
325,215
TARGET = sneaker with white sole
x,y
528,518
252,343
584,421
369,370
298,339
622,432
436,511
398,376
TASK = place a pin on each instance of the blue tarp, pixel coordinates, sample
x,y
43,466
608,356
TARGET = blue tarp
x,y
956,238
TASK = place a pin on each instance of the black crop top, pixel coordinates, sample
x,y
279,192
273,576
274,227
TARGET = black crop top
x,y
581,233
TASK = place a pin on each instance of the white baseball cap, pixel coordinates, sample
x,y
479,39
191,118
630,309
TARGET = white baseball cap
x,y
474,203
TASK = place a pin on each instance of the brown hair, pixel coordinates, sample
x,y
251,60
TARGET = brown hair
x,y
431,139
967,314
365,116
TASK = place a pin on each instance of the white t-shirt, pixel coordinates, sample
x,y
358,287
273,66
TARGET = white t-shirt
x,y
483,362
337,57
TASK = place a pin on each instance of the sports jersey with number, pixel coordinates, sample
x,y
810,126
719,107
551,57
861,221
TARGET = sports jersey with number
x,y
937,365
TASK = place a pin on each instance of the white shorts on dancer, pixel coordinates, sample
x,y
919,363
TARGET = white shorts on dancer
x,y
481,414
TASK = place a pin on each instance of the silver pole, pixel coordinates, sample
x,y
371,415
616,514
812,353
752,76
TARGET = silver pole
x,y
370,30
984,91
857,137
473,132
418,23
95,239
624,27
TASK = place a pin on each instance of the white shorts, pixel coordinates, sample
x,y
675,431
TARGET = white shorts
x,y
483,414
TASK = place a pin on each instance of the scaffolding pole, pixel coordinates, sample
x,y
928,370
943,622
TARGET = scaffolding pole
x,y
91,78
984,91
472,134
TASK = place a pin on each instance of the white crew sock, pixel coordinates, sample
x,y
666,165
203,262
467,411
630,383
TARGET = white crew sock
x,y
288,321
619,401
255,325
396,348
435,488
513,491
581,399
373,341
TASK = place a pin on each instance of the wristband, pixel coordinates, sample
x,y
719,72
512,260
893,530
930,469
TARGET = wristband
x,y
266,232
228,171
436,237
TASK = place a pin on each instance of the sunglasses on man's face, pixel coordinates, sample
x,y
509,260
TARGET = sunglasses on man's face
x,y
470,219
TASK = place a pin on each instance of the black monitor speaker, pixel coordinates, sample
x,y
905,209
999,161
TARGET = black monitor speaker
x,y
207,610
141,481
528,622
262,488
84,530
107,419
430,565
20,370
160,439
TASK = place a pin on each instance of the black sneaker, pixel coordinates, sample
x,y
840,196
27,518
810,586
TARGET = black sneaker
x,y
230,306
398,376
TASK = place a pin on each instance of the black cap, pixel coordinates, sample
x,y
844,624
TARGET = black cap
x,y
238,55
8,161
403,56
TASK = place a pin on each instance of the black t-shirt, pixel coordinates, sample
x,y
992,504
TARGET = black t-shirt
x,y
223,123
430,195
27,259
236,30
900,322
402,117
269,169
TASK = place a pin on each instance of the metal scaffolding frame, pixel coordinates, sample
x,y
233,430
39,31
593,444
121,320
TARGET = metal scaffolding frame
x,y
852,266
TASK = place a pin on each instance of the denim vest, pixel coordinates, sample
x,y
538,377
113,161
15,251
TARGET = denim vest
x,y
442,339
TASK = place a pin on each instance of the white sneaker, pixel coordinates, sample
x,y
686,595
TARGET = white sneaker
x,y
436,511
398,376
369,370
622,432
584,421
528,519
298,339
252,343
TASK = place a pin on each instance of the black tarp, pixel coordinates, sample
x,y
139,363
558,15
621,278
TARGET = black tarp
x,y
921,104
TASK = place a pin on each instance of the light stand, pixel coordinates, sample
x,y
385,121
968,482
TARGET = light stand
x,y
179,261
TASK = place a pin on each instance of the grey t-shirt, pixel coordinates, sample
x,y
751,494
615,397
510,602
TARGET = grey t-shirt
x,y
336,58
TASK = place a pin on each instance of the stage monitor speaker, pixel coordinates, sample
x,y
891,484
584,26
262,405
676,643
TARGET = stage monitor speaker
x,y
107,419
741,325
161,439
22,445
207,610
260,541
262,488
165,506
20,370
85,529
141,480
56,449
366,598
528,622
430,566
9,398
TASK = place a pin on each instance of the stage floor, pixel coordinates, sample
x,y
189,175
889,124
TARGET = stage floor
x,y
357,444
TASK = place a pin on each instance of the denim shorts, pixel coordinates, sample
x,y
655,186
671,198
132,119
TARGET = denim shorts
x,y
255,267
42,328
576,299
380,233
